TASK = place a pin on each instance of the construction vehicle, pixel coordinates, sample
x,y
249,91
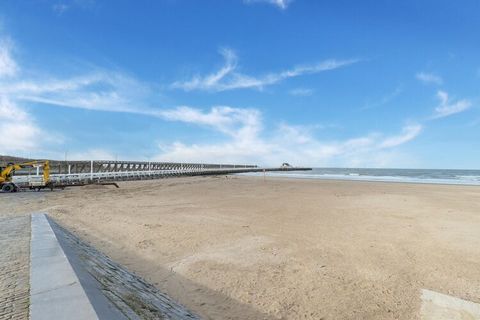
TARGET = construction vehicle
x,y
36,183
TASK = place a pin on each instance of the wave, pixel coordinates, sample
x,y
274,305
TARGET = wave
x,y
470,177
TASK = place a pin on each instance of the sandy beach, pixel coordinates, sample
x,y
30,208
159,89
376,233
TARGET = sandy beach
x,y
244,248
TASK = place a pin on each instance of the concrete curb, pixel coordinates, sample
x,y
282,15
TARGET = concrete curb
x,y
438,306
55,290
71,280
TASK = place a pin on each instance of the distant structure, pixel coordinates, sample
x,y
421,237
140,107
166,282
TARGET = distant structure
x,y
67,173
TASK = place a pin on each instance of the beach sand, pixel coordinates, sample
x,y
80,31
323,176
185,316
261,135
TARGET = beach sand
x,y
244,248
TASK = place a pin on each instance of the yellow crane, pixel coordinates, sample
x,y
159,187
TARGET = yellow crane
x,y
6,175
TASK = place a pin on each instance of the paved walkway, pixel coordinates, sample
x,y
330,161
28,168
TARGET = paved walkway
x,y
55,290
14,267
113,292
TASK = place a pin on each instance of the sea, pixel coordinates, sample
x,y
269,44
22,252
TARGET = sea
x,y
436,176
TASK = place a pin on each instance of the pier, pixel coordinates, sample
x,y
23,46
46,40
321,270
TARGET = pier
x,y
81,172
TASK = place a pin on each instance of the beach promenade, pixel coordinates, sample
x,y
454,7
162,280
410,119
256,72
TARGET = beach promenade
x,y
48,273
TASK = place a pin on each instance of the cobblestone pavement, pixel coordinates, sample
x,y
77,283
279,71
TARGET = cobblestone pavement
x,y
14,267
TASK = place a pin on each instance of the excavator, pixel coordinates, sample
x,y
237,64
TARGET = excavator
x,y
6,176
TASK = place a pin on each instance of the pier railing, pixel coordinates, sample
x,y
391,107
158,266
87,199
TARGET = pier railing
x,y
79,172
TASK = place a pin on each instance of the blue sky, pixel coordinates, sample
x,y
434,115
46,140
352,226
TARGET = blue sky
x,y
319,83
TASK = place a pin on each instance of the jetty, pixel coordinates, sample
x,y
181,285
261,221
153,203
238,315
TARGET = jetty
x,y
67,173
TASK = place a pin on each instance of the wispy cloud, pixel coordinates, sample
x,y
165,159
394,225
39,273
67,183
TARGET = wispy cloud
x,y
245,138
447,108
295,144
301,92
60,8
8,66
409,132
384,100
429,78
97,90
20,132
92,154
228,78
17,126
281,4
474,123
238,123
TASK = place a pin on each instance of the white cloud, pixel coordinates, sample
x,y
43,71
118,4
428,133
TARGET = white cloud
x,y
294,144
294,134
447,108
235,122
386,99
409,132
60,8
474,123
228,78
98,90
301,92
19,132
8,67
92,154
429,78
245,139
282,4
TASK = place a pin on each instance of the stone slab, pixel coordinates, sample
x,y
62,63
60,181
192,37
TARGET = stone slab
x,y
438,306
55,290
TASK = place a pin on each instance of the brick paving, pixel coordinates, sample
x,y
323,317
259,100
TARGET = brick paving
x,y
14,267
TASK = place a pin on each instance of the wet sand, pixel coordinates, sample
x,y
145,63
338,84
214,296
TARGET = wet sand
x,y
244,248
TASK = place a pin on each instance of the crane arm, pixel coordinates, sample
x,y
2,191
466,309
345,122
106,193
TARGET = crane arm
x,y
46,171
7,173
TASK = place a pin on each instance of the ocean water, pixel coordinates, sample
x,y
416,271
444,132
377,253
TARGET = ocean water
x,y
438,176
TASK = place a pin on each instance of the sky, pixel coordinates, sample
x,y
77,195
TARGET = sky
x,y
329,83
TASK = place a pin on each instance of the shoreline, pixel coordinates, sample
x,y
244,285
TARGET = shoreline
x,y
325,178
